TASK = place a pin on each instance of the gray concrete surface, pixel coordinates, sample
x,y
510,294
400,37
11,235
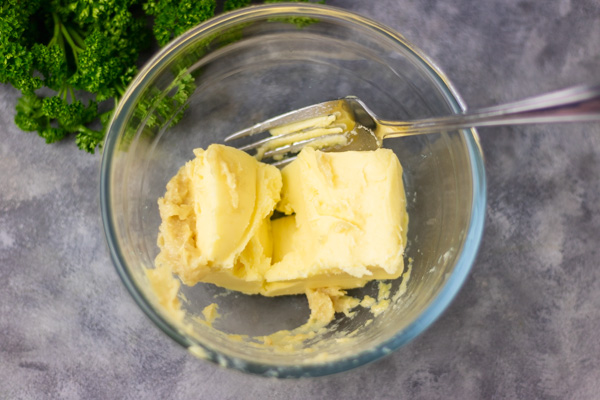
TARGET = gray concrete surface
x,y
524,326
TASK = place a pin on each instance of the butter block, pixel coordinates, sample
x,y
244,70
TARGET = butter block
x,y
347,222
215,219
345,225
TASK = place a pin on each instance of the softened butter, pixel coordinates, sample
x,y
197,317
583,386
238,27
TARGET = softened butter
x,y
345,224
347,221
215,219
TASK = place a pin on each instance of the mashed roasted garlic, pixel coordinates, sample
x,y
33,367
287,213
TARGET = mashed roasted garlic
x,y
344,224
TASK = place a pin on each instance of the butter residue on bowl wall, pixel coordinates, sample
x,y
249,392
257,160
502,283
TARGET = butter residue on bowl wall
x,y
301,340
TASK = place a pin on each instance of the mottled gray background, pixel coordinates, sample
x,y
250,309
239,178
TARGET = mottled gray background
x,y
526,324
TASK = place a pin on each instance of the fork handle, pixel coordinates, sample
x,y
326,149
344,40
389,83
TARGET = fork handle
x,y
580,103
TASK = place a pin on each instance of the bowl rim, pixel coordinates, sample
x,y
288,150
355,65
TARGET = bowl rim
x,y
437,306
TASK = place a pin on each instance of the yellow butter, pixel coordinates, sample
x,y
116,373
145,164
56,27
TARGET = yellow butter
x,y
346,224
215,219
349,223
211,313
166,290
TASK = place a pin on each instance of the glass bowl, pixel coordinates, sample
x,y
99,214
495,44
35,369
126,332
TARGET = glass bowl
x,y
242,68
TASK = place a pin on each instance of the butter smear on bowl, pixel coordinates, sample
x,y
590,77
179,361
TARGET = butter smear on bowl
x,y
344,224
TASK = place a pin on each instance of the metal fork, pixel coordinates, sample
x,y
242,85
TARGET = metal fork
x,y
348,124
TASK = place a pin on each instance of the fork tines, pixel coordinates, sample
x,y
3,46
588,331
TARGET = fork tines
x,y
321,125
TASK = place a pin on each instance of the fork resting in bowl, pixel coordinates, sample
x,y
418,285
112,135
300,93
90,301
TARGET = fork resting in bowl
x,y
348,124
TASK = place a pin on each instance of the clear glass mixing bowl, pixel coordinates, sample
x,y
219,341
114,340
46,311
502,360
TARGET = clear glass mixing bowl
x,y
247,66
